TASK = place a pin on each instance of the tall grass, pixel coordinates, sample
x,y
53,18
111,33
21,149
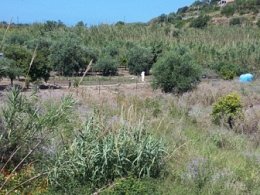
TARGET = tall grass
x,y
98,156
26,132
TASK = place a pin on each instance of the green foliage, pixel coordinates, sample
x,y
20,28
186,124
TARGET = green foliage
x,y
76,83
41,66
2,71
111,50
20,55
120,23
182,10
200,22
227,109
227,70
140,59
228,10
24,126
227,73
17,38
107,65
258,23
235,21
98,157
154,106
9,69
131,186
229,163
68,55
71,49
51,25
176,72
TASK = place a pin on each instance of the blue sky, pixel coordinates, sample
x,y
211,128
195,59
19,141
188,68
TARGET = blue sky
x,y
89,11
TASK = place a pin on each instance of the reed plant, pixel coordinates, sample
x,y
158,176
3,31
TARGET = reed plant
x,y
97,156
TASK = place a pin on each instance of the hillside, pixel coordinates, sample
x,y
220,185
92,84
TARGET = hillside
x,y
243,13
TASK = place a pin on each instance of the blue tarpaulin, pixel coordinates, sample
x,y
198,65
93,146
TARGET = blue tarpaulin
x,y
246,78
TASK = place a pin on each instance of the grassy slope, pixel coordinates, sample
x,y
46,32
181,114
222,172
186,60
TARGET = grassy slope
x,y
203,158
209,160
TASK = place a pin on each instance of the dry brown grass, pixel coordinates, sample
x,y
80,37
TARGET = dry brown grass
x,y
197,103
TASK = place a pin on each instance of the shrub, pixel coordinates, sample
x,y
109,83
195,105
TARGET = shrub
x,y
227,109
140,59
228,10
200,22
98,157
176,72
8,68
227,73
111,50
107,65
23,123
235,21
227,70
25,132
76,83
182,10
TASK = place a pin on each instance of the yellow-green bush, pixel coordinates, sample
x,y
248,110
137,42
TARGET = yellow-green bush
x,y
226,109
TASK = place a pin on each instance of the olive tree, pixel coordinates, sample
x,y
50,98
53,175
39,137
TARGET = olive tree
x,y
140,59
107,65
175,72
9,69
68,55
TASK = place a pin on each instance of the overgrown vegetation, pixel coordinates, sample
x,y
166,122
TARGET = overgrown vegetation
x,y
227,109
176,72
136,47
95,157
127,139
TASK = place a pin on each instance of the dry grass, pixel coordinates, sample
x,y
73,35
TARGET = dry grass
x,y
197,103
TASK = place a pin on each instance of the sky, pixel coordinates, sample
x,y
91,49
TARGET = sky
x,y
91,12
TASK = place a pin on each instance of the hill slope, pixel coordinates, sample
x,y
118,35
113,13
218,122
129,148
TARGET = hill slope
x,y
244,13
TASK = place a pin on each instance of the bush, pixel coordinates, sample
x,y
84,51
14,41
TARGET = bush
x,y
228,10
176,72
227,73
23,124
76,82
25,133
227,70
97,157
235,21
107,65
200,22
227,109
182,10
140,59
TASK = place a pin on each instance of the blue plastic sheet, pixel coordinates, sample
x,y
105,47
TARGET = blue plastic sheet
x,y
246,78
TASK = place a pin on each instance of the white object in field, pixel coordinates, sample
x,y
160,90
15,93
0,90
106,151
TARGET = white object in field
x,y
142,76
